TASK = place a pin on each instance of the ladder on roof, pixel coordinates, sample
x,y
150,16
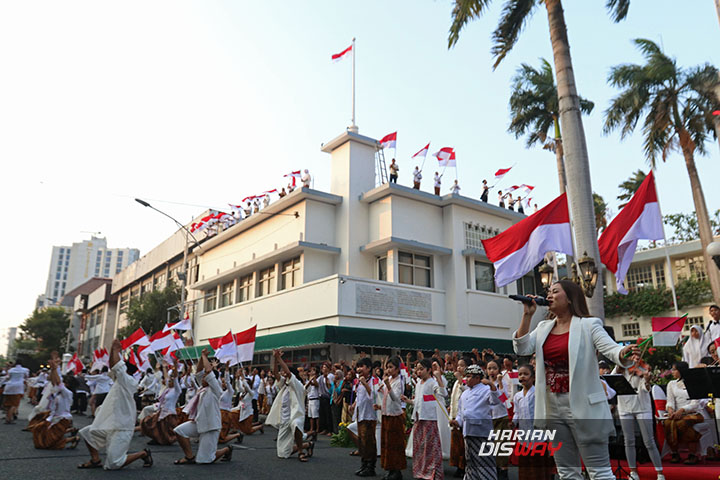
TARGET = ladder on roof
x,y
381,170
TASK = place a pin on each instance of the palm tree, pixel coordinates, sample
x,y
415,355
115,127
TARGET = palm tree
x,y
677,107
534,111
600,209
630,186
514,15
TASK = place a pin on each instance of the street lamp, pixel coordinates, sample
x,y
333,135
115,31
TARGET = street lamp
x,y
713,251
546,275
588,274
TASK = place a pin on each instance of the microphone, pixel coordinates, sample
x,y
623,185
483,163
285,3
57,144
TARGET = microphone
x,y
540,301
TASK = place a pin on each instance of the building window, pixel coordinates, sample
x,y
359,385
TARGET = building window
x,y
475,233
244,288
291,273
528,285
159,282
124,300
211,300
631,329
266,281
414,269
694,321
484,276
226,299
639,277
382,269
696,265
660,275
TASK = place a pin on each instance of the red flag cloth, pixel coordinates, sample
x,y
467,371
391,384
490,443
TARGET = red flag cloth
x,y
225,349
501,173
138,337
717,342
517,250
446,157
389,140
640,219
161,339
339,56
429,398
422,153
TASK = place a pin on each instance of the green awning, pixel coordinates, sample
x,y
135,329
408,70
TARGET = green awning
x,y
365,337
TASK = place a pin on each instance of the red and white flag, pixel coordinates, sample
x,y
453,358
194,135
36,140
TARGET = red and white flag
x,y
445,156
295,174
162,339
169,354
667,330
527,188
501,173
138,337
640,219
245,342
422,153
344,54
517,250
389,140
527,201
182,325
141,363
74,365
144,352
101,358
225,349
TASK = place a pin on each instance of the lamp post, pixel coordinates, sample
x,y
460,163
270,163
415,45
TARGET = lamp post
x,y
182,275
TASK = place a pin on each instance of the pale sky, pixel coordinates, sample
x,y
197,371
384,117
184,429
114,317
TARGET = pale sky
x,y
196,104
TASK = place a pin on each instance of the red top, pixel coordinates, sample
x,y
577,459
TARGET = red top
x,y
557,363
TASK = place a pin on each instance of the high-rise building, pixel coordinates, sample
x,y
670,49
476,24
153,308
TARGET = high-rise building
x,y
74,265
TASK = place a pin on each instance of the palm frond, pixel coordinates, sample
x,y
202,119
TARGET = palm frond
x,y
463,12
618,9
515,15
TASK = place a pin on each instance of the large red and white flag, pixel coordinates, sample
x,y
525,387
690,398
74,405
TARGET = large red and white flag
x,y
422,153
389,140
667,330
169,354
501,173
295,174
344,54
245,342
225,349
640,219
138,337
521,247
144,352
162,339
182,325
445,156
74,365
141,363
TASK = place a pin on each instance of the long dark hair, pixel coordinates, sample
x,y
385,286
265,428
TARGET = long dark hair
x,y
681,367
576,298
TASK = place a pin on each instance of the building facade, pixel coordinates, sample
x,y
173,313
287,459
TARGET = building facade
x,y
650,269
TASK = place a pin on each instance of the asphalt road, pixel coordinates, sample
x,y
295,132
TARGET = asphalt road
x,y
255,460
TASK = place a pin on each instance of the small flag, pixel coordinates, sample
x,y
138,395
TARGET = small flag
x,y
717,342
667,330
225,349
74,364
503,398
295,174
245,343
182,325
501,173
389,140
339,56
445,156
138,337
422,153
161,340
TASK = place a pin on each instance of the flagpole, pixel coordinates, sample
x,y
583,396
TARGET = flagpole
x,y
353,127
667,252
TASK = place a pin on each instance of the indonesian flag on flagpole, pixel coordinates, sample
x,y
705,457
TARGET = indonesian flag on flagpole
x,y
141,363
169,354
389,140
144,352
295,174
527,188
445,156
182,325
74,364
503,398
667,330
640,219
138,337
528,200
521,247
245,343
501,173
225,349
422,153
339,56
162,339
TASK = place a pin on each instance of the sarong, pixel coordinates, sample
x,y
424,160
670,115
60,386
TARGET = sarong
x,y
366,441
427,451
500,424
227,421
37,419
160,430
51,437
245,427
392,453
457,449
12,400
681,431
477,467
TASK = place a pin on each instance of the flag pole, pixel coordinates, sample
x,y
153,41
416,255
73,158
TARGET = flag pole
x,y
665,247
353,127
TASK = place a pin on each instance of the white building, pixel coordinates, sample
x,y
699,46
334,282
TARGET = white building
x,y
650,269
387,268
74,265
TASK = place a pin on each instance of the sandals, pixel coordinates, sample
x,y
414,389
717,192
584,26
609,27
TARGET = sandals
x,y
74,442
228,456
185,461
310,449
90,464
303,457
354,453
148,460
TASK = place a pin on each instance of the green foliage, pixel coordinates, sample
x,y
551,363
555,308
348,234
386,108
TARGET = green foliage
x,y
685,226
600,208
342,438
630,186
151,310
46,331
648,302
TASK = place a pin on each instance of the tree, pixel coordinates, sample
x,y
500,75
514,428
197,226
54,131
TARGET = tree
x,y
150,311
677,106
513,18
48,329
630,186
686,226
601,212
534,111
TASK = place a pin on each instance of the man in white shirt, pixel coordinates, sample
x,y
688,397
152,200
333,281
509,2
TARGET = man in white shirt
x,y
712,331
14,390
437,183
417,176
366,418
50,433
114,423
306,178
254,382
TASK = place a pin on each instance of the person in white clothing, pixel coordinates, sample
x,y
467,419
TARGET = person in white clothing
x,y
204,418
392,453
683,415
160,426
306,178
455,188
100,385
437,181
242,413
695,348
313,402
417,177
712,331
226,400
14,390
114,423
457,441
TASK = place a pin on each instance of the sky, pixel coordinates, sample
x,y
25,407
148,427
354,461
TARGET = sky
x,y
195,104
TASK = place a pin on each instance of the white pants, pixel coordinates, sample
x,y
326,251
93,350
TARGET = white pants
x,y
115,442
207,447
567,458
314,408
646,422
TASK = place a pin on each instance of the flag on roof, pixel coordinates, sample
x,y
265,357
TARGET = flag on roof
x,y
445,156
389,140
422,153
501,173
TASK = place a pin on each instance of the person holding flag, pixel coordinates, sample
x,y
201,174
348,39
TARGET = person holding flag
x,y
394,169
160,427
417,177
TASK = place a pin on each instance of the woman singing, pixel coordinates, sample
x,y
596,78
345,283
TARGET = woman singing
x,y
569,397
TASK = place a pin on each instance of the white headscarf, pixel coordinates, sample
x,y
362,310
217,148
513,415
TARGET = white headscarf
x,y
693,350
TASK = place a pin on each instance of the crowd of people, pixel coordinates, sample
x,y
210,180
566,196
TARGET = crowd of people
x,y
428,408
